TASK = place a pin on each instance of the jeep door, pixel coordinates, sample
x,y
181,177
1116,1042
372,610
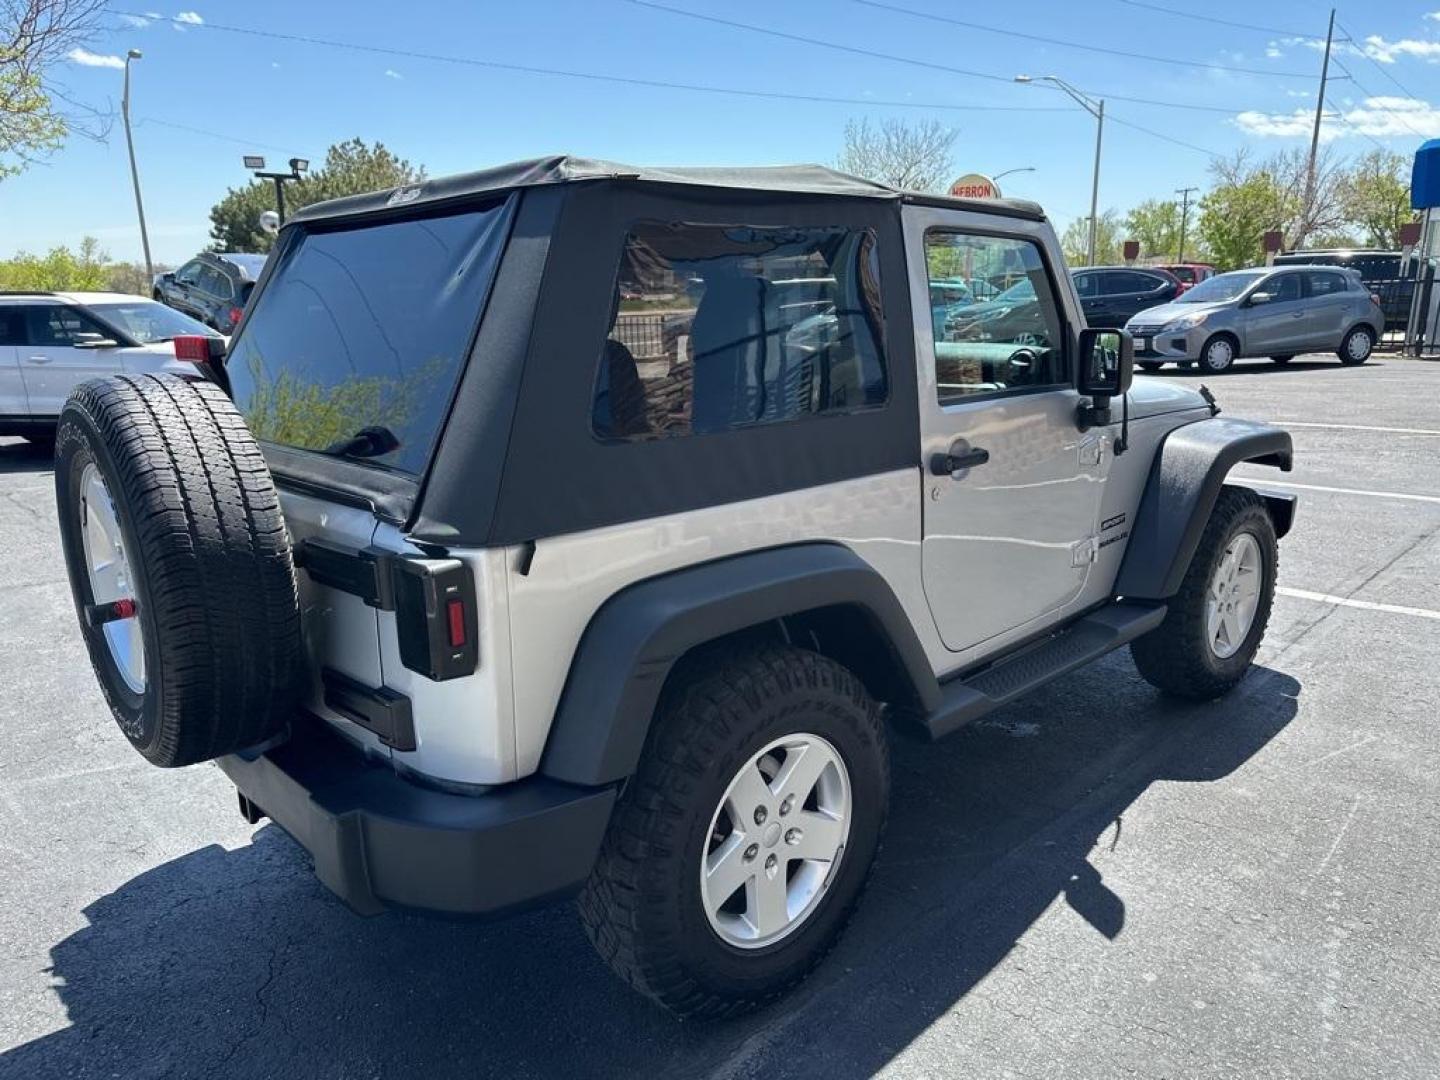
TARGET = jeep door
x,y
1009,535
1279,323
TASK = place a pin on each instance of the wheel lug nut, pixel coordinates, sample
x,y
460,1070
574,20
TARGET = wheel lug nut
x,y
751,852
792,836
771,862
786,806
760,815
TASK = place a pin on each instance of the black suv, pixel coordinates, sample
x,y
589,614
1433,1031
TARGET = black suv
x,y
212,287
1113,295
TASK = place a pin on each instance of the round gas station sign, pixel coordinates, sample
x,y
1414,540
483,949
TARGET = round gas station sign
x,y
974,186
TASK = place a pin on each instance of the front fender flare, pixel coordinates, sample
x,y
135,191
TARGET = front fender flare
x,y
635,638
1189,470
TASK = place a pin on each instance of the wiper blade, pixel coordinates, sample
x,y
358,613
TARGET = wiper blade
x,y
368,442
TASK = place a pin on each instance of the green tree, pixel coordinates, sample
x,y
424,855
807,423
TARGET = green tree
x,y
1375,196
350,168
1155,223
1075,240
36,35
1234,217
85,270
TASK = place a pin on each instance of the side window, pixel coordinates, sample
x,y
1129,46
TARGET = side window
x,y
1012,342
215,283
1286,287
1323,283
721,326
189,274
1085,284
58,324
12,325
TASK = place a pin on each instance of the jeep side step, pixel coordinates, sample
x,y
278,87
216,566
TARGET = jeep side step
x,y
965,699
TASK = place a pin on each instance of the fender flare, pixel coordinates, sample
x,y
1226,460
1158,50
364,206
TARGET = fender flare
x,y
1186,476
635,638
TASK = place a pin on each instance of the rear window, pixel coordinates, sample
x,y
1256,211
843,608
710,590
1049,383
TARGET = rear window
x,y
356,344
1184,273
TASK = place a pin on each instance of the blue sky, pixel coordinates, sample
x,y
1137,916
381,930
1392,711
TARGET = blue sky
x,y
282,97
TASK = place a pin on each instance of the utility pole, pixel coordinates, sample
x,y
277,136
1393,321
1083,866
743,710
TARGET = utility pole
x,y
1315,133
1184,194
1097,110
134,54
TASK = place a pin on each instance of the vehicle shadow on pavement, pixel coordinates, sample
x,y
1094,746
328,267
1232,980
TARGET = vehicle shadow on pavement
x,y
19,456
238,963
1258,367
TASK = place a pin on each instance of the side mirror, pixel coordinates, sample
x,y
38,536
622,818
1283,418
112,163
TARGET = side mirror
x,y
92,340
1107,363
1259,298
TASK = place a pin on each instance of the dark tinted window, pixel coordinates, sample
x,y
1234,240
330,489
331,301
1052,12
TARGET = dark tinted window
x,y
720,326
1323,282
215,283
1131,281
12,325
60,324
1087,284
366,328
1283,287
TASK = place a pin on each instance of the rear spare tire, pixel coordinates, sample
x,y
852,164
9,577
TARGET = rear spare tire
x,y
179,564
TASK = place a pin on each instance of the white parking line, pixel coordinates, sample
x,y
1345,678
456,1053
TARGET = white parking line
x,y
1265,481
1364,605
1356,427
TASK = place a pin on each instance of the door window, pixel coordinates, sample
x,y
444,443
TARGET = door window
x,y
215,283
723,326
1011,343
1128,281
189,274
1087,285
60,325
1325,282
12,325
1286,287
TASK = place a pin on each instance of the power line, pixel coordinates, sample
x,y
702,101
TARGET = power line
x,y
143,120
1162,135
1219,22
1375,63
626,80
1148,57
1372,96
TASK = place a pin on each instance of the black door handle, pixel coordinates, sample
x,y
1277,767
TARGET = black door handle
x,y
959,459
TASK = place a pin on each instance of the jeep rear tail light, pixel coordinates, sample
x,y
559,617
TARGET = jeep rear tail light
x,y
435,617
192,348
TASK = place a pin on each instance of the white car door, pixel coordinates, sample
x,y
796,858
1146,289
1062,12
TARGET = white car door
x,y
12,386
52,363
1009,534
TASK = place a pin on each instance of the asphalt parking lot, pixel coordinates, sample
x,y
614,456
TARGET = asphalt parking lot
x,y
1093,882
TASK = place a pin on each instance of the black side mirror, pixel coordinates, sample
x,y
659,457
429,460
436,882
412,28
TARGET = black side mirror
x,y
1107,363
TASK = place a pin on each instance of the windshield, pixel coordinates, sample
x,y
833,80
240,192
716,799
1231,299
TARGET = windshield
x,y
250,265
148,322
356,344
1221,287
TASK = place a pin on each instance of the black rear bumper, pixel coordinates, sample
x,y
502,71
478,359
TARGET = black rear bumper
x,y
381,841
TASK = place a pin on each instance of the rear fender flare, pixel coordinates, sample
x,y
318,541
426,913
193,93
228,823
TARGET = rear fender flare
x,y
1190,468
636,637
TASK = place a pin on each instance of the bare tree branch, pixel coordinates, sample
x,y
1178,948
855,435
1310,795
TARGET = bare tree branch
x,y
912,157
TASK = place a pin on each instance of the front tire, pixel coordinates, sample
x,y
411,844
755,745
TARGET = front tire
x,y
1216,621
1218,354
740,847
1356,347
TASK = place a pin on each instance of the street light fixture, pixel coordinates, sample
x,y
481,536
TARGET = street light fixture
x,y
134,54
1008,172
256,164
1095,108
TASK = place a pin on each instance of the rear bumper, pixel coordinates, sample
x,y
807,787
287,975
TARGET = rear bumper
x,y
381,841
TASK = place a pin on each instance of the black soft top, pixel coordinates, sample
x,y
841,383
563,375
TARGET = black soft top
x,y
800,180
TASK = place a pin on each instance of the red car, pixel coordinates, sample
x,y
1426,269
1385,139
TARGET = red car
x,y
1190,274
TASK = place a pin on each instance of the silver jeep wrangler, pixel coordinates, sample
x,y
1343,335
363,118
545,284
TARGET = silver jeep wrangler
x,y
571,528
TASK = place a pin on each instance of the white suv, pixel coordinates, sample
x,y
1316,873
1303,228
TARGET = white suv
x,y
52,342
571,528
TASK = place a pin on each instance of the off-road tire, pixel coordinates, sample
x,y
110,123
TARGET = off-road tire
x,y
1345,346
209,557
1176,656
641,906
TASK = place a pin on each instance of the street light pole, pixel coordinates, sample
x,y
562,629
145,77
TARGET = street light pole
x,y
1095,108
134,54
1007,172
297,167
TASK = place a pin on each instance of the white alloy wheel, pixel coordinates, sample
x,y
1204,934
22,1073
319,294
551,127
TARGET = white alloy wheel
x,y
1219,354
775,841
1233,596
110,577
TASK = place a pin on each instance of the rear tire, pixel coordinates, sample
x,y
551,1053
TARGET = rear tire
x,y
1193,654
653,908
164,499
1359,343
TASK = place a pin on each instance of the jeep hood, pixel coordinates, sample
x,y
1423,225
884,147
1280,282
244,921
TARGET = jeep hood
x,y
1152,396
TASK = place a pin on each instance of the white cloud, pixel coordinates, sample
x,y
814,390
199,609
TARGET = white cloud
x,y
391,73
1298,93
86,58
190,18
1379,117
138,22
1434,15
1273,52
1377,48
